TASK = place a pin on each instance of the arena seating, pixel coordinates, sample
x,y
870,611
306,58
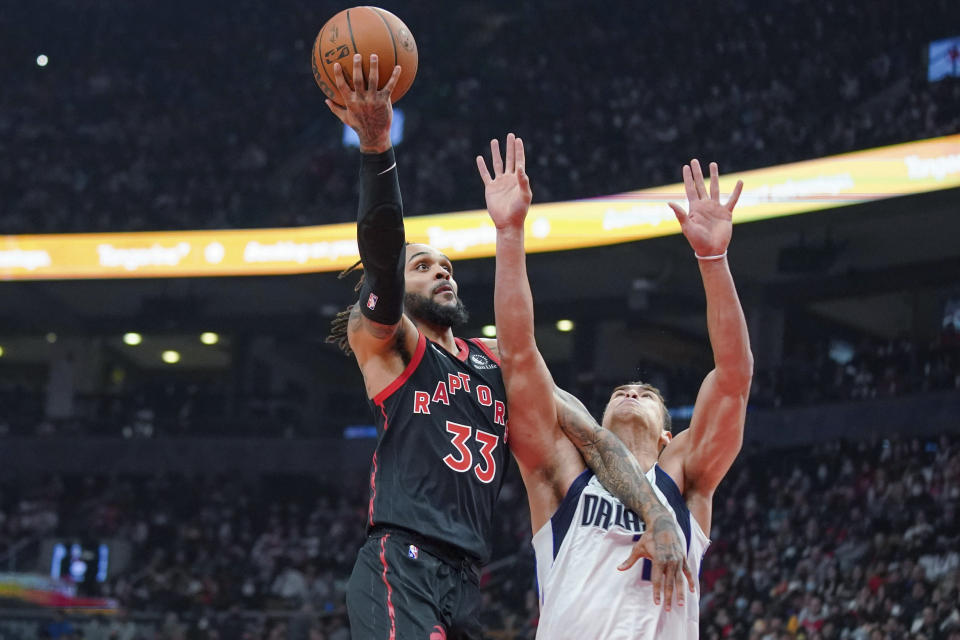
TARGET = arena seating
x,y
837,540
150,121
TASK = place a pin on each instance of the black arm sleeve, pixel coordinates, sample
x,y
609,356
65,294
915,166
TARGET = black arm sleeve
x,y
381,238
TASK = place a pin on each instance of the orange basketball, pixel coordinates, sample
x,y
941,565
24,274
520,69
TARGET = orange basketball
x,y
364,30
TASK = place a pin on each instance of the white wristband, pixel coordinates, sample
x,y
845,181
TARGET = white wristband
x,y
719,256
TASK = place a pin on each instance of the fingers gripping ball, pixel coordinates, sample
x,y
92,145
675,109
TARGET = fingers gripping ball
x,y
364,30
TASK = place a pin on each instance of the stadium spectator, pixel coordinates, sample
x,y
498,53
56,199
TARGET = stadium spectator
x,y
844,540
147,121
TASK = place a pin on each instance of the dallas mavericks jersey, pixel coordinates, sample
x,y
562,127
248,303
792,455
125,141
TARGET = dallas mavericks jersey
x,y
582,594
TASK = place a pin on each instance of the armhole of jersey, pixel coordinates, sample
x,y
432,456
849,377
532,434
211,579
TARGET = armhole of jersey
x,y
407,372
486,350
671,491
702,543
562,518
698,533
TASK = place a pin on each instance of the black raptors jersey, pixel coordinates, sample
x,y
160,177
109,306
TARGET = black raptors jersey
x,y
442,452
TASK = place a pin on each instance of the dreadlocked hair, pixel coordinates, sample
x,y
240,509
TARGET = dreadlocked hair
x,y
338,326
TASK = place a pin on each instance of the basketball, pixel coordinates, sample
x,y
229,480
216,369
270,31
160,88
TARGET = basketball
x,y
364,30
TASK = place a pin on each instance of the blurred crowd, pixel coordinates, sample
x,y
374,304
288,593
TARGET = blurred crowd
x,y
840,540
836,372
212,557
145,118
812,373
180,407
844,541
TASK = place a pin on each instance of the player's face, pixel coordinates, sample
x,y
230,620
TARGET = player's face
x,y
638,405
431,291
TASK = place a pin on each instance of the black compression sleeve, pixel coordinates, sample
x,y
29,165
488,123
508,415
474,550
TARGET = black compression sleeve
x,y
381,238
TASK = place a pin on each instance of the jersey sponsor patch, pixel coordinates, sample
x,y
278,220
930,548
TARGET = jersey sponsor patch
x,y
480,361
372,301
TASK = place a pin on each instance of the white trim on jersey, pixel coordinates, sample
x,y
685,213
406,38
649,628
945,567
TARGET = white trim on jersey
x,y
582,594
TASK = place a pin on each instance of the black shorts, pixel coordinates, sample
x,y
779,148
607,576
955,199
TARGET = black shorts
x,y
401,591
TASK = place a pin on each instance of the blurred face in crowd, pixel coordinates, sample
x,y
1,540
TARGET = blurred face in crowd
x,y
815,605
637,409
431,291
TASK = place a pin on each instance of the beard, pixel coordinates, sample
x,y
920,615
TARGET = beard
x,y
426,310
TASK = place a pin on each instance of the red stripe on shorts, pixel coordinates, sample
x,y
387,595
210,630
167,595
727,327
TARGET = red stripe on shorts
x,y
373,473
390,611
373,488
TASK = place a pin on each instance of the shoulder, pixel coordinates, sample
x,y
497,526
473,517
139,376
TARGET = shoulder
x,y
673,457
489,347
490,344
383,357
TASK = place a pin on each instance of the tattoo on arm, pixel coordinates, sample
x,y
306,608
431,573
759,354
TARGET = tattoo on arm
x,y
616,468
376,121
357,322
356,318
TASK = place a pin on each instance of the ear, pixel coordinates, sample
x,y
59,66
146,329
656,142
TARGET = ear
x,y
665,438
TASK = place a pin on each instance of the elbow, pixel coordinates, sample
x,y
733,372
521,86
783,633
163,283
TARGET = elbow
x,y
382,232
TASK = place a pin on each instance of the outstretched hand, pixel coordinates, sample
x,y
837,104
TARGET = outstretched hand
x,y
661,545
367,109
508,192
709,224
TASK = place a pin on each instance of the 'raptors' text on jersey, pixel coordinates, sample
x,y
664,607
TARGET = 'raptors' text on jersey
x,y
442,451
582,594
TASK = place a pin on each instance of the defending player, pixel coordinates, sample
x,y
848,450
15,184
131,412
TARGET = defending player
x,y
440,407
581,531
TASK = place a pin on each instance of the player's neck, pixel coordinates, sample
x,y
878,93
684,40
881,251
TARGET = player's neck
x,y
646,455
443,336
639,444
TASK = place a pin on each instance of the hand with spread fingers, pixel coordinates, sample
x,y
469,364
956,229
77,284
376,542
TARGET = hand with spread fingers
x,y
507,192
367,110
708,225
670,572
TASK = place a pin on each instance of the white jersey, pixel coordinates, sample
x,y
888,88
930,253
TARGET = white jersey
x,y
582,594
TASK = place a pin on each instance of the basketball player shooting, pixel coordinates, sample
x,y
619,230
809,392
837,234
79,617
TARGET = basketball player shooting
x,y
440,407
582,531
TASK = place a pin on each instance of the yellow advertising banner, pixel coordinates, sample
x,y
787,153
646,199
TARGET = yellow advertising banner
x,y
783,190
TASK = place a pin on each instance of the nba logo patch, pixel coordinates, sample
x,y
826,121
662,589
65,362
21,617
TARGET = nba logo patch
x,y
413,552
372,302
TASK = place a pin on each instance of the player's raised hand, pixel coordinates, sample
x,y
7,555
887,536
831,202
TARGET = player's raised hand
x,y
661,545
508,191
367,110
709,224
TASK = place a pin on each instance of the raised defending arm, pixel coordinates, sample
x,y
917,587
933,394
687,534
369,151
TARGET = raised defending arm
x,y
529,386
530,389
716,427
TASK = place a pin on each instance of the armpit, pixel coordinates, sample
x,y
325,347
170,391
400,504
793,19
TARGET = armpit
x,y
358,322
